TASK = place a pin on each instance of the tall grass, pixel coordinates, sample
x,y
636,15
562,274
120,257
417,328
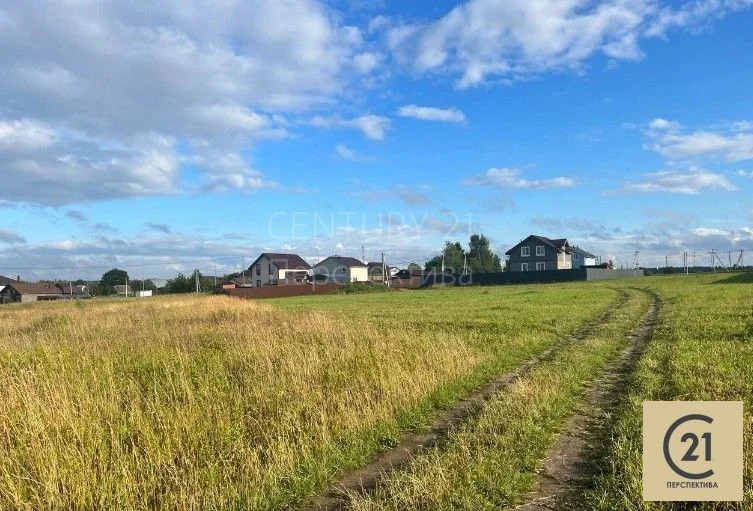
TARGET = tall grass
x,y
490,463
216,403
702,350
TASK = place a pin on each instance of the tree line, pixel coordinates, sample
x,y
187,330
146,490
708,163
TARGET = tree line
x,y
479,257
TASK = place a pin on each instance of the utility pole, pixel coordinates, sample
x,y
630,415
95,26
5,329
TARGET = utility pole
x,y
713,261
243,269
196,278
666,261
215,271
384,275
693,258
442,261
465,264
363,255
126,289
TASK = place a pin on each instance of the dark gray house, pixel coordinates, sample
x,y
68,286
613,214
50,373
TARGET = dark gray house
x,y
538,253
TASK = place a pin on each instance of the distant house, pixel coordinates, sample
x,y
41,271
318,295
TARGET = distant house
x,y
374,270
4,281
339,270
123,290
73,291
144,294
582,258
538,253
271,269
235,283
23,292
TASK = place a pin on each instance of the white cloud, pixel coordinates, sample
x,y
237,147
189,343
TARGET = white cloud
x,y
727,146
663,124
85,85
372,126
25,135
745,173
511,178
693,13
690,182
479,39
427,113
345,153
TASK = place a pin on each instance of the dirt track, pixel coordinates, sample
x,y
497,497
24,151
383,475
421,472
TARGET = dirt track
x,y
365,480
566,467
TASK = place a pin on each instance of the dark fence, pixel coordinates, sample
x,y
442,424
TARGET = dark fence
x,y
527,277
283,291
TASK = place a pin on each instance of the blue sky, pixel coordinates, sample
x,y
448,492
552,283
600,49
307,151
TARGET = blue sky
x,y
158,139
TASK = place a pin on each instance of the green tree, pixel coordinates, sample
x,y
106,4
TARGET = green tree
x,y
453,259
110,279
412,267
481,259
181,284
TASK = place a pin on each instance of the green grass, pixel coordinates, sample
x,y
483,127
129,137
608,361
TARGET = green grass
x,y
490,462
702,350
219,403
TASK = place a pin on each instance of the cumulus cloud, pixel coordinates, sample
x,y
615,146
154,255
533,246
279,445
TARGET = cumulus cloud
x,y
82,89
690,182
734,143
427,113
478,39
25,135
372,126
663,124
745,173
512,178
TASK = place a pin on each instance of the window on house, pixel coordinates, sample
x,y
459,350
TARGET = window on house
x,y
258,269
258,283
540,266
539,250
523,266
270,268
525,251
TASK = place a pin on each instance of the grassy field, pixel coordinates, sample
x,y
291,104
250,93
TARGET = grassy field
x,y
702,350
211,402
201,402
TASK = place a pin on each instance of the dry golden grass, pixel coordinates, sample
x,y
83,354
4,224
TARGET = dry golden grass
x,y
203,402
199,402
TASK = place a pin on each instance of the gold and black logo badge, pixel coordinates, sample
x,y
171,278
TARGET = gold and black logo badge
x,y
693,450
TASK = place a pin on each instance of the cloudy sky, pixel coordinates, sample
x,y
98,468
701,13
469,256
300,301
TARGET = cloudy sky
x,y
188,134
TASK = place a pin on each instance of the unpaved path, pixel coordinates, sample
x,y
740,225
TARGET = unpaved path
x,y
365,479
566,467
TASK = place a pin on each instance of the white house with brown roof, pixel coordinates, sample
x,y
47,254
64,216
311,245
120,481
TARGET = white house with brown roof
x,y
337,269
272,269
24,292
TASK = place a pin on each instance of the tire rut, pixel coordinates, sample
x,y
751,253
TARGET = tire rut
x,y
364,480
566,467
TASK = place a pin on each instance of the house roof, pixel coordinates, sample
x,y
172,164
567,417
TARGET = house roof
x,y
345,261
6,280
41,288
581,252
77,289
556,244
285,261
